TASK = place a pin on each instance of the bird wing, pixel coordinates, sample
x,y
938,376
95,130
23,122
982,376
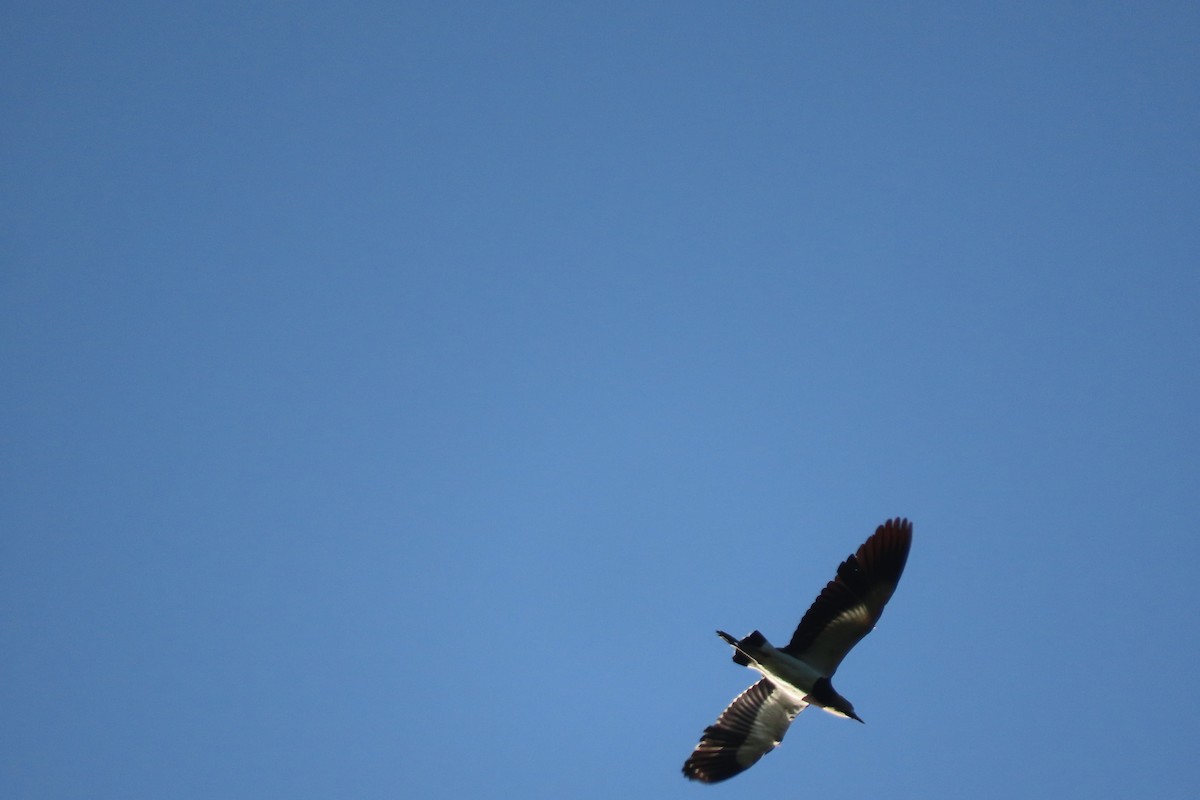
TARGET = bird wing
x,y
750,727
850,604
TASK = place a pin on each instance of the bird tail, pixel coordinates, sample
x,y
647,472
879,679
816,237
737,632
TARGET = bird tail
x,y
745,650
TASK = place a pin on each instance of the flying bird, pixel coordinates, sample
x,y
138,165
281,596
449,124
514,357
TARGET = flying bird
x,y
799,674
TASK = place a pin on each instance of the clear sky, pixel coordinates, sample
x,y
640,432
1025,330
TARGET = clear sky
x,y
397,396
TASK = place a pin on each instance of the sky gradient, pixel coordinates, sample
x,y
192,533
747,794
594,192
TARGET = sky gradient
x,y
397,396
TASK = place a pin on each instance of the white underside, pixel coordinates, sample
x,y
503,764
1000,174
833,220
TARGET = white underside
x,y
786,672
789,674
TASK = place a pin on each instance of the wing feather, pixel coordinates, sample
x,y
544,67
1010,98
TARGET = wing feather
x,y
851,604
748,729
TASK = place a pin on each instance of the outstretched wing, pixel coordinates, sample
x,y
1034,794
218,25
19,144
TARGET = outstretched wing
x,y
750,727
850,605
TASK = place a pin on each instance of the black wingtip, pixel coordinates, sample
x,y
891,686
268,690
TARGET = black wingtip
x,y
889,546
897,527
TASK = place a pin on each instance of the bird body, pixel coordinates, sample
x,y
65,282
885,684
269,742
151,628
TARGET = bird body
x,y
800,674
790,675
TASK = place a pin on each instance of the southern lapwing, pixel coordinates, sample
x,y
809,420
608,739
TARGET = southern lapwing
x,y
799,675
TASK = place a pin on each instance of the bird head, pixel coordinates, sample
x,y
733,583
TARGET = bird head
x,y
842,707
824,695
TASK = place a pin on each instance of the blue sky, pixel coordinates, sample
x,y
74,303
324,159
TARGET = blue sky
x,y
397,396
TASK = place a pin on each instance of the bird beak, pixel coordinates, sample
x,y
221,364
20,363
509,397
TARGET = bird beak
x,y
856,717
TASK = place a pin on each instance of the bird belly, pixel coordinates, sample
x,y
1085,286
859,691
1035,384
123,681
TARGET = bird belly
x,y
788,672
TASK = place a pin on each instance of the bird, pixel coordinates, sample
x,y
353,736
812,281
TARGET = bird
x,y
800,674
